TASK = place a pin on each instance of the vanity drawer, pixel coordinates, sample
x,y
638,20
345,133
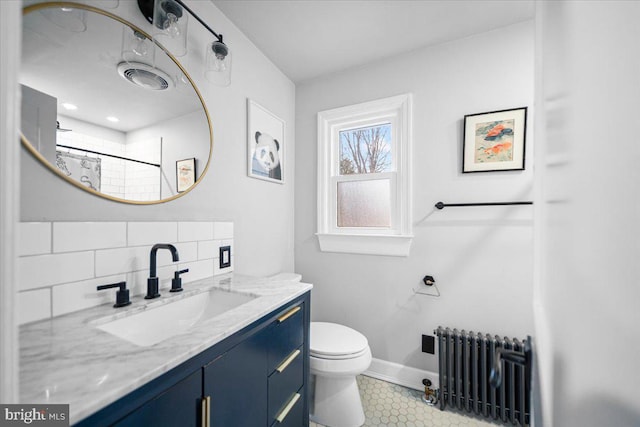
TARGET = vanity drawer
x,y
284,381
286,334
292,412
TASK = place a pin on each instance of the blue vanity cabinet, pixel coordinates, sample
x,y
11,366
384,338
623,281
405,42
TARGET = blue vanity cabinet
x,y
287,364
234,385
256,377
178,406
260,381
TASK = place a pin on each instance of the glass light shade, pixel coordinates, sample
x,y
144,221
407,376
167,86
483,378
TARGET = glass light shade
x,y
170,26
136,47
74,20
107,4
218,64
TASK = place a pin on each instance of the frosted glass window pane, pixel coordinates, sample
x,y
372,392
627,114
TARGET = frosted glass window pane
x,y
366,150
364,203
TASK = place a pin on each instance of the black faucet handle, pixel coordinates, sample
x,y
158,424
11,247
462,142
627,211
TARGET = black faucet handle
x,y
176,282
122,295
179,272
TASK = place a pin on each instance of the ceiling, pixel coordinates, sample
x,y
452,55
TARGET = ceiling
x,y
81,68
308,39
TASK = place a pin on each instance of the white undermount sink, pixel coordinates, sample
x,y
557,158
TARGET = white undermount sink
x,y
156,324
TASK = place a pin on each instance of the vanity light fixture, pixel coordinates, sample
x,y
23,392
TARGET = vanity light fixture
x,y
218,63
169,18
107,4
169,24
139,47
136,46
74,20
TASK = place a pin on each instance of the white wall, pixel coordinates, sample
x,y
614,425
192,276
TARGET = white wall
x,y
9,187
480,257
261,211
586,292
175,146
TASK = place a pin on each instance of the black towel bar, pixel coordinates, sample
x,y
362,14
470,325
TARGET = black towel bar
x,y
441,205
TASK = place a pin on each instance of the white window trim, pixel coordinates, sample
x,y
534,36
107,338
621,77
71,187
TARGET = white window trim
x,y
369,241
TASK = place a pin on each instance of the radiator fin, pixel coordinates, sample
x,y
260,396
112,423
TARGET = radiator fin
x,y
465,360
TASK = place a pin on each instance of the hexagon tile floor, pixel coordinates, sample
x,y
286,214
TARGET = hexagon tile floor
x,y
391,405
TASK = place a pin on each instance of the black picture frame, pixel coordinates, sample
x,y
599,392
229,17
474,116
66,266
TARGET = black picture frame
x,y
494,141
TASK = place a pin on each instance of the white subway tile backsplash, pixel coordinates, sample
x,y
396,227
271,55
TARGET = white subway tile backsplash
x,y
123,260
164,257
114,261
217,270
194,231
149,233
46,270
34,305
211,248
80,236
223,230
197,270
76,296
35,238
69,260
187,251
208,249
137,281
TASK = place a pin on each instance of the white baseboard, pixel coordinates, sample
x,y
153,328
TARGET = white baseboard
x,y
396,373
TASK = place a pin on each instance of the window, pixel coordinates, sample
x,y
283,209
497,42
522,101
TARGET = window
x,y
364,178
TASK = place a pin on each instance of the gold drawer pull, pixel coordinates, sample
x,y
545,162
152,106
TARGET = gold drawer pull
x,y
287,361
289,314
287,408
206,412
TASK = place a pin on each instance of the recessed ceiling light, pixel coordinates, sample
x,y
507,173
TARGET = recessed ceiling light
x,y
113,119
68,106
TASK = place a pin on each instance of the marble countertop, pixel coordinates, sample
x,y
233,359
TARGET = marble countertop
x,y
67,360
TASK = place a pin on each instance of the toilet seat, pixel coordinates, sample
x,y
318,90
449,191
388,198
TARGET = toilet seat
x,y
339,356
336,342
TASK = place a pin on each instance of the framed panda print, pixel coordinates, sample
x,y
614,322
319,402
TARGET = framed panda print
x,y
265,144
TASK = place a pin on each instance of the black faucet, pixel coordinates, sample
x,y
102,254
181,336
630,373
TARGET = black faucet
x,y
122,296
152,281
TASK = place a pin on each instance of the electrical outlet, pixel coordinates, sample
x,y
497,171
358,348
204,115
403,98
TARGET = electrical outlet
x,y
429,344
225,256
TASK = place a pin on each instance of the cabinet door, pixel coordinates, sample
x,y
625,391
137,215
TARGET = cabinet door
x,y
236,385
179,406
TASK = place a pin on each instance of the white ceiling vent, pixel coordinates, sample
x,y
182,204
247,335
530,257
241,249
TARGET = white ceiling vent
x,y
145,76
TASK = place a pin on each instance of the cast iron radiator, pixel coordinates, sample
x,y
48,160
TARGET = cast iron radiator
x,y
466,362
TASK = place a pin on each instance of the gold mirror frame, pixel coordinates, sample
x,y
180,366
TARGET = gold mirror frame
x,y
26,144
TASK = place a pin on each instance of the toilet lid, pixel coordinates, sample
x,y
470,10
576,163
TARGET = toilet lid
x,y
331,339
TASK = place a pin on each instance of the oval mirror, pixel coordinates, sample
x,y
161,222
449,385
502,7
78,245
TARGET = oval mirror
x,y
107,109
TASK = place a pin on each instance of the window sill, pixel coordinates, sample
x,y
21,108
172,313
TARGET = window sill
x,y
391,245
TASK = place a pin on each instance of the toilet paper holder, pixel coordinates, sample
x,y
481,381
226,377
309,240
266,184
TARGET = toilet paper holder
x,y
429,281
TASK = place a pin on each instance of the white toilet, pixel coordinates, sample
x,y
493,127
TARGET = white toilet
x,y
338,354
